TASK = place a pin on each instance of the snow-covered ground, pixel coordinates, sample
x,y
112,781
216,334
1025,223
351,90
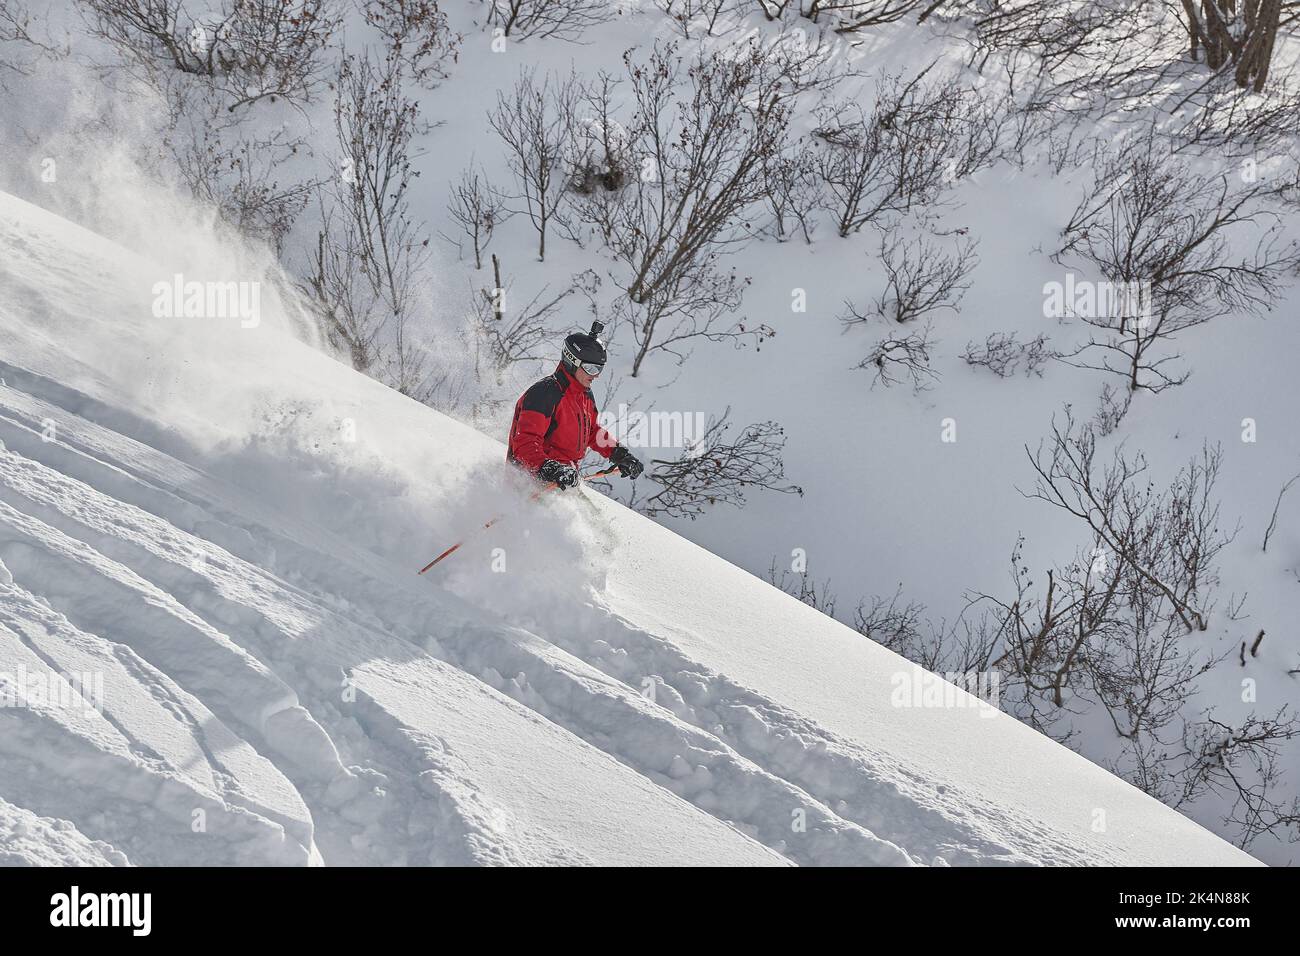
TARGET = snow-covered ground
x,y
222,525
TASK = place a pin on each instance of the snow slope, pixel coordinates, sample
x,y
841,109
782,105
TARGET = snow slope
x,y
223,524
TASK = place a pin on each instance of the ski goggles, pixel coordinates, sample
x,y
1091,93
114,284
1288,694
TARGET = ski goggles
x,y
591,368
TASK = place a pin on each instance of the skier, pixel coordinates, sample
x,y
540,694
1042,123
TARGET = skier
x,y
555,419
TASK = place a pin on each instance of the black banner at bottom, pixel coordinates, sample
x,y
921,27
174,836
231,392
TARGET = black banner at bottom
x,y
340,905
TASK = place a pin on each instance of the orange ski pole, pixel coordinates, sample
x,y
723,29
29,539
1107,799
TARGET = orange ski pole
x,y
533,497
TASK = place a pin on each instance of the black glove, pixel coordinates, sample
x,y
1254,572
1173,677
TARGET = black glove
x,y
628,464
563,475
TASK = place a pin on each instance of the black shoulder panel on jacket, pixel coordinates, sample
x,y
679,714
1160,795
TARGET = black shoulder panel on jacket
x,y
543,396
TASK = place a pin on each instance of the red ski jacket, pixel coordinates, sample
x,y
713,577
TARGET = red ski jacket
x,y
556,418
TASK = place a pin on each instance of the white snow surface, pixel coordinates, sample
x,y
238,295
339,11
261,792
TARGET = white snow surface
x,y
223,526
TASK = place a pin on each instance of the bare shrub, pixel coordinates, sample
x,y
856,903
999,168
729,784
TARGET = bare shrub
x,y
369,251
506,334
920,137
602,163
1272,522
890,622
902,355
1112,409
1110,627
851,16
536,124
418,35
22,39
920,279
793,190
705,147
964,647
802,587
1164,235
561,19
1003,354
1235,763
699,15
1112,632
1069,38
717,470
477,209
773,9
1240,124
248,50
674,188
1167,541
241,180
1116,55
868,172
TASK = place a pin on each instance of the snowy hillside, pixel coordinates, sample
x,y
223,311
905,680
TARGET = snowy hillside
x,y
221,526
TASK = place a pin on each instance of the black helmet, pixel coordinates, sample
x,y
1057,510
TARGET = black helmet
x,y
584,349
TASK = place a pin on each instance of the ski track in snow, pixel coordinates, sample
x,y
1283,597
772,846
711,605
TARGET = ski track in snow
x,y
266,616
275,692
29,840
109,554
74,511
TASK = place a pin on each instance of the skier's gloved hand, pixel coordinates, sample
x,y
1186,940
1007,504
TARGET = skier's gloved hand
x,y
628,464
561,473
